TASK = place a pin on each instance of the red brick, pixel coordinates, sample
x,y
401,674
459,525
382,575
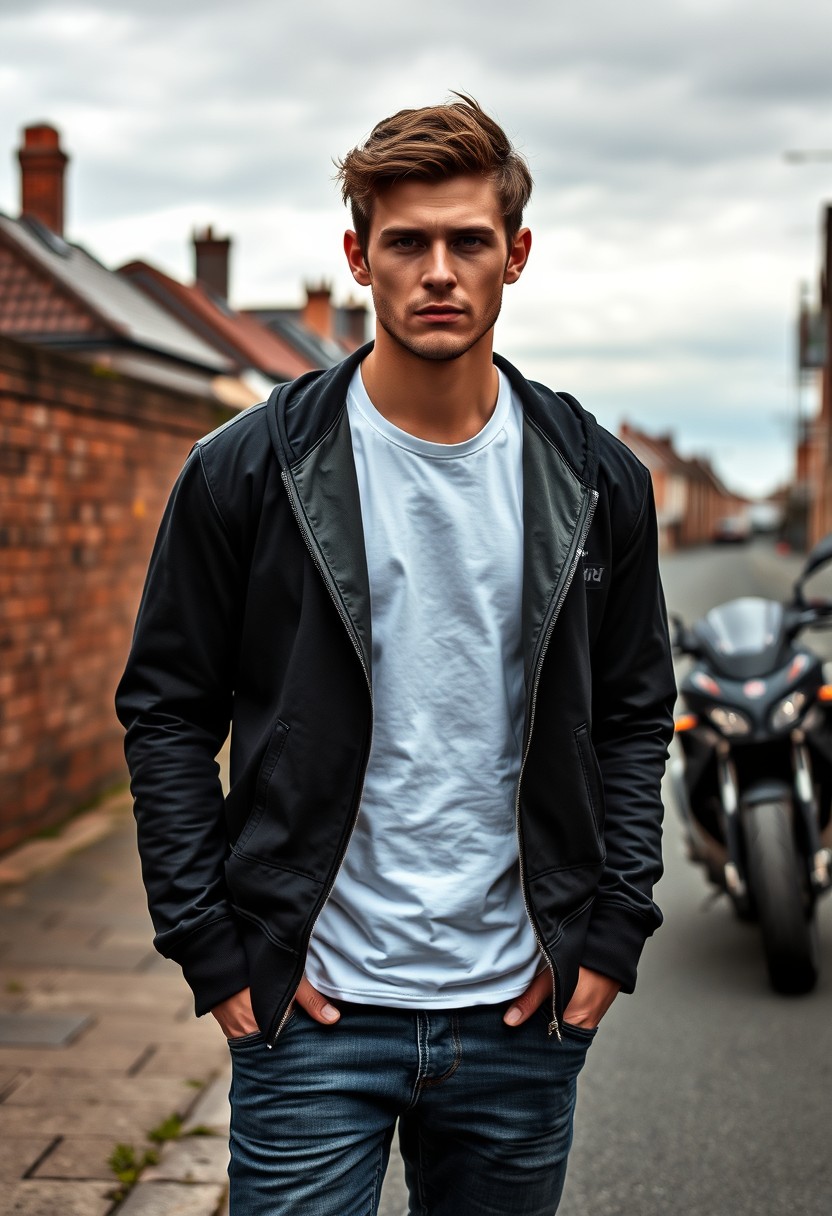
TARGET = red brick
x,y
73,566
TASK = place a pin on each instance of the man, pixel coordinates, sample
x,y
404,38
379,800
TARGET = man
x,y
425,592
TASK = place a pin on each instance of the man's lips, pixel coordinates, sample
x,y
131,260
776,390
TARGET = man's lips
x,y
439,312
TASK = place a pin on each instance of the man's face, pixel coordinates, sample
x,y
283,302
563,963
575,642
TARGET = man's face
x,y
436,260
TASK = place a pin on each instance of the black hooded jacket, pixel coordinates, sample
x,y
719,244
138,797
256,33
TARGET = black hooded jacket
x,y
256,613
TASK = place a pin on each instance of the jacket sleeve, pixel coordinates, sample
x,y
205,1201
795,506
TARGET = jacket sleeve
x,y
633,695
174,701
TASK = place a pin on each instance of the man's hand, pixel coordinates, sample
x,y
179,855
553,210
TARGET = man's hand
x,y
538,991
593,995
316,1004
592,998
235,1015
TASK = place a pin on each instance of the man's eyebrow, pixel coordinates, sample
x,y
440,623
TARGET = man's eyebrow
x,y
477,229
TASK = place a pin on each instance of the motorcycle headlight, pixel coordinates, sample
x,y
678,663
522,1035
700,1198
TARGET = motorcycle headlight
x,y
788,711
729,721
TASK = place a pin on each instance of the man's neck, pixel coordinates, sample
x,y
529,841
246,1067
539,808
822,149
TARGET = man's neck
x,y
443,401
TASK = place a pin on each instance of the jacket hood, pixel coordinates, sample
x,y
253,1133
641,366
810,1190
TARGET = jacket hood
x,y
302,413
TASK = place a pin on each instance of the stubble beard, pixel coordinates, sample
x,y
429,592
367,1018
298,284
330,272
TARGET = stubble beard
x,y
435,347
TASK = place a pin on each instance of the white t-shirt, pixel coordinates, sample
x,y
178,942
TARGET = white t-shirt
x,y
427,908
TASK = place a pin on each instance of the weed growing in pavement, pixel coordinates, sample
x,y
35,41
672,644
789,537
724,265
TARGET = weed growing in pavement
x,y
168,1129
127,1164
13,987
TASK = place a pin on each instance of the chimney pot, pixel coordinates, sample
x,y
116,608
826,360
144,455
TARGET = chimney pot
x,y
42,166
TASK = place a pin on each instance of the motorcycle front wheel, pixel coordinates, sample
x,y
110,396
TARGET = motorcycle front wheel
x,y
779,890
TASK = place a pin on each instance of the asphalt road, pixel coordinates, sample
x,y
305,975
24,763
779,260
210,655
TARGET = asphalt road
x,y
704,1093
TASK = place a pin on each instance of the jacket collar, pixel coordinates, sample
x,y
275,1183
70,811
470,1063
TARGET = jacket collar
x,y
310,432
302,412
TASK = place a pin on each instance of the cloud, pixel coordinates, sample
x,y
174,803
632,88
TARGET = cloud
x,y
669,232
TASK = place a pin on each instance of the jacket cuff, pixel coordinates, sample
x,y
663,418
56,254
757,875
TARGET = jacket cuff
x,y
614,942
214,963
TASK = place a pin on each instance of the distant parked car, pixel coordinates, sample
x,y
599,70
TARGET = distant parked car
x,y
732,530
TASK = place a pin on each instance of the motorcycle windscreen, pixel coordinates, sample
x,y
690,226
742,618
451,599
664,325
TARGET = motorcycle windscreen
x,y
745,627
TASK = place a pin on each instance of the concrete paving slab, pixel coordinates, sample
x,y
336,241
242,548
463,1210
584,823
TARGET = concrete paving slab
x,y
117,1027
172,1199
185,1061
19,1153
16,916
65,885
9,1078
116,1058
191,1159
102,992
211,1109
61,1089
48,951
118,917
30,858
36,1198
76,942
12,1003
41,1029
129,1123
79,1157
158,964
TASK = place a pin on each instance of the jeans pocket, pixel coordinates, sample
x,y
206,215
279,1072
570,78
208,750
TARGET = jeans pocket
x,y
585,1033
247,1040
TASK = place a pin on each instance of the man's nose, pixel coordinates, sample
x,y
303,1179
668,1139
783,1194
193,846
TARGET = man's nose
x,y
439,271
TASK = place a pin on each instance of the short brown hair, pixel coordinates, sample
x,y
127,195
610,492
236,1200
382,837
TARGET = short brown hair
x,y
433,144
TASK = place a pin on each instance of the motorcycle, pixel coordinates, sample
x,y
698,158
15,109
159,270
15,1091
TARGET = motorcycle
x,y
753,782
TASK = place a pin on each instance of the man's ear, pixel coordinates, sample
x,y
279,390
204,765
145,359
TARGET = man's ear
x,y
518,255
355,258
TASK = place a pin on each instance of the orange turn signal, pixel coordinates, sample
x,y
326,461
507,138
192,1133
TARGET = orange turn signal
x,y
825,692
685,722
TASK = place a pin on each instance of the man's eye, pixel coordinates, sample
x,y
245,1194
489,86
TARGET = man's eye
x,y
405,242
470,242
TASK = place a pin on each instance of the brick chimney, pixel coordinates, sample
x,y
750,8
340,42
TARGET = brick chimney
x,y
211,256
317,311
42,165
354,327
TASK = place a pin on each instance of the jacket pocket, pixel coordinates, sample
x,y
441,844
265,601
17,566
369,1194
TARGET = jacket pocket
x,y
261,788
593,782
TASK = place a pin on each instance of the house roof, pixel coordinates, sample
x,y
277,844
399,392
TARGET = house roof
x,y
55,293
656,451
286,323
239,336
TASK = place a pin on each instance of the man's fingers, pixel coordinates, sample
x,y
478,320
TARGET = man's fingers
x,y
524,1006
236,1016
316,1004
594,993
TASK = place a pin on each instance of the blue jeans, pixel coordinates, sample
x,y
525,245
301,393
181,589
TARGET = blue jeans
x,y
484,1113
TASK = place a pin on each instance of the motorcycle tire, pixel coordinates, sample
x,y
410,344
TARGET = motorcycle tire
x,y
779,890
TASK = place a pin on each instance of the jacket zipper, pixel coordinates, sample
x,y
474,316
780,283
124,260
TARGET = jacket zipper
x,y
554,1025
348,625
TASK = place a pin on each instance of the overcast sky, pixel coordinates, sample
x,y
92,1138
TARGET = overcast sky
x,y
670,235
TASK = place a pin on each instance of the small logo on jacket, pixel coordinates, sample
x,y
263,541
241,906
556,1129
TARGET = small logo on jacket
x,y
594,575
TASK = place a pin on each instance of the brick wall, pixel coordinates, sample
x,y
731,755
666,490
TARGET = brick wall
x,y
86,464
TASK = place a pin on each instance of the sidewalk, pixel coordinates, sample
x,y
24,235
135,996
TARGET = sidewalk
x,y
99,1047
98,1043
